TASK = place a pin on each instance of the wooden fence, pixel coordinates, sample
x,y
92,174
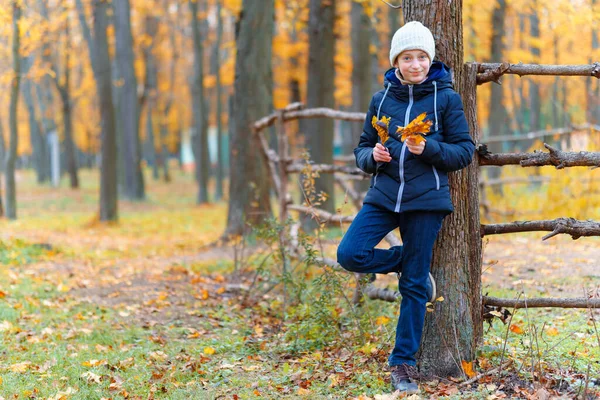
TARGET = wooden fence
x,y
281,165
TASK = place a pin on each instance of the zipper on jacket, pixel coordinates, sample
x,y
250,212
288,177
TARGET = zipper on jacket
x,y
403,152
437,178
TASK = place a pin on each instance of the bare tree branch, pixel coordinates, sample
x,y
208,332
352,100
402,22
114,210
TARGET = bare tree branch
x,y
557,226
560,159
491,72
297,167
324,216
293,111
578,302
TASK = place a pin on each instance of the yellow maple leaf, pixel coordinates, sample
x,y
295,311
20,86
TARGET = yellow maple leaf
x,y
382,320
468,368
415,129
209,351
381,126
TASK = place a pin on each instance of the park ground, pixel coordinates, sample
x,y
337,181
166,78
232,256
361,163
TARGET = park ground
x,y
158,307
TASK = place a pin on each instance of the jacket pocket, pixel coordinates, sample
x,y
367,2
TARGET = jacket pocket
x,y
437,178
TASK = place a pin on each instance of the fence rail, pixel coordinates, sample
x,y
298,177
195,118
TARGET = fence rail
x,y
281,165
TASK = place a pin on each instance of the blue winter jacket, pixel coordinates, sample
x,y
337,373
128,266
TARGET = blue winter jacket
x,y
410,182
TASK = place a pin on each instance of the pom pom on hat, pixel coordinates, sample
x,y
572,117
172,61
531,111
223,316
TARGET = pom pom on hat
x,y
412,36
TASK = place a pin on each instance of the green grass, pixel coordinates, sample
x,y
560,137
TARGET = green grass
x,y
185,336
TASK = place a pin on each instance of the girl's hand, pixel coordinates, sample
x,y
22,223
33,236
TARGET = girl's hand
x,y
381,154
413,147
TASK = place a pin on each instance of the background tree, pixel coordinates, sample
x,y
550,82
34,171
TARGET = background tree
x,y
453,331
199,115
108,170
11,156
129,107
249,185
497,122
361,70
318,132
38,146
216,60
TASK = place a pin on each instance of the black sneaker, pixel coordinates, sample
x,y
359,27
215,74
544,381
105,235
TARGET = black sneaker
x,y
431,288
401,379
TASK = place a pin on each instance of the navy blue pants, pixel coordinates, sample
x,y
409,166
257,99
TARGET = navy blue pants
x,y
357,253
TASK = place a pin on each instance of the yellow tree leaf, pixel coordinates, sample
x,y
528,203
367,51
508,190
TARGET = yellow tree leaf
x,y
468,368
415,129
516,329
381,127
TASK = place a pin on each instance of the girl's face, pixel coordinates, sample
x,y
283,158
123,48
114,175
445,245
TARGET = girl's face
x,y
413,65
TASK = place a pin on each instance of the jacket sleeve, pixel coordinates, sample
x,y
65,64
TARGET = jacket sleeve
x,y
368,139
456,151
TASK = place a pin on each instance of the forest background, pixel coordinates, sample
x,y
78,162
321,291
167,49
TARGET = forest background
x,y
154,306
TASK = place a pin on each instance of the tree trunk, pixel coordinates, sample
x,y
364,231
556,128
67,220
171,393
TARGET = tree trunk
x,y
11,189
219,92
64,90
249,179
454,329
151,92
497,122
534,88
320,93
200,115
38,147
102,72
164,131
46,99
129,110
361,75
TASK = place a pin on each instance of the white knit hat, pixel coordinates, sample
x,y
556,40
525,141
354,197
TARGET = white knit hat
x,y
412,36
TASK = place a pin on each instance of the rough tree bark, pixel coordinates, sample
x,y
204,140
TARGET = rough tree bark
x,y
200,114
454,329
320,93
11,157
249,187
102,72
129,107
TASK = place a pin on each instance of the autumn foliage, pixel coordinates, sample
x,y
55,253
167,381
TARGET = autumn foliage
x,y
416,129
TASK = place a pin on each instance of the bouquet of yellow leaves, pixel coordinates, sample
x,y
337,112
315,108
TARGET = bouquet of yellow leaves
x,y
415,129
381,127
